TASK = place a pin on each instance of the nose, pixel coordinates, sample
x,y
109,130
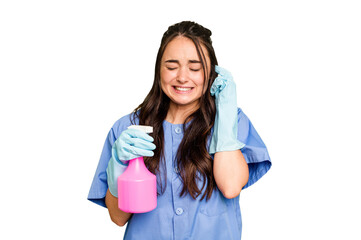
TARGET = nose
x,y
182,75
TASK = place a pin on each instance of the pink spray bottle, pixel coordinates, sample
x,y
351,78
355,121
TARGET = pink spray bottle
x,y
137,187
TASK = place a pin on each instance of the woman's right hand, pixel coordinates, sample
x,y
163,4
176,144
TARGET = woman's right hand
x,y
132,143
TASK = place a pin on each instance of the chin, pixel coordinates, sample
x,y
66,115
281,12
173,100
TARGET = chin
x,y
184,102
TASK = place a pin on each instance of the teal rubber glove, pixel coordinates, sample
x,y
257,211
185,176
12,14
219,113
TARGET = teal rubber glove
x,y
225,127
132,143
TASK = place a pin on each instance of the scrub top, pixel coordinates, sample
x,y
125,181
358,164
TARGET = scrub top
x,y
178,217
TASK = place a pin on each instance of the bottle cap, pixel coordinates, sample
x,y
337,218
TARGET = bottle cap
x,y
146,129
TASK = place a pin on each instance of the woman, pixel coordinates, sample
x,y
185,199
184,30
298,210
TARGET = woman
x,y
204,150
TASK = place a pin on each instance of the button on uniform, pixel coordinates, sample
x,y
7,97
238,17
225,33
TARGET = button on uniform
x,y
179,211
178,130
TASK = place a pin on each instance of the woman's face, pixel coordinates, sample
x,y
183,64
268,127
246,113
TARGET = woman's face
x,y
181,72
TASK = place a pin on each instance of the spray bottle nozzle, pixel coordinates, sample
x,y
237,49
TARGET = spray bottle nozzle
x,y
146,129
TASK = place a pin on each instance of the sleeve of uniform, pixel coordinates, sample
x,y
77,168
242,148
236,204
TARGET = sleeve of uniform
x,y
99,185
255,151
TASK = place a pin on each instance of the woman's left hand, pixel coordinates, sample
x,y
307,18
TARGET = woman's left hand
x,y
223,86
225,127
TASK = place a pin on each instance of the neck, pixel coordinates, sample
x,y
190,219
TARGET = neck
x,y
177,114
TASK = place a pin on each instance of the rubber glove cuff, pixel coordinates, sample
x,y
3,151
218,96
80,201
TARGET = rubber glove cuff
x,y
225,138
114,170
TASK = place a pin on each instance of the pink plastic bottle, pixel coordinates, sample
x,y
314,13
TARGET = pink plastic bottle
x,y
137,187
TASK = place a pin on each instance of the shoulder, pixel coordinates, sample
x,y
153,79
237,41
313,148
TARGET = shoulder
x,y
244,124
241,114
123,123
239,111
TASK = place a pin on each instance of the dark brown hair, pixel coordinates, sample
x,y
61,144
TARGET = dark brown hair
x,y
193,159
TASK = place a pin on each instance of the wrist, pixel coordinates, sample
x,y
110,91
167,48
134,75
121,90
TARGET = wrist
x,y
114,170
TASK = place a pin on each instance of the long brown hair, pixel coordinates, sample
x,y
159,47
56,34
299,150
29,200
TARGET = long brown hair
x,y
193,159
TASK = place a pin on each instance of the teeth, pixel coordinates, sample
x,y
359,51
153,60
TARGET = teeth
x,y
182,89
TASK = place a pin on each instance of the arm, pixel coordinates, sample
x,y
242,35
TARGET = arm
x,y
119,217
230,172
230,169
131,143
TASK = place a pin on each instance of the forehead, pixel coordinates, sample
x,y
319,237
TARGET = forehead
x,y
182,48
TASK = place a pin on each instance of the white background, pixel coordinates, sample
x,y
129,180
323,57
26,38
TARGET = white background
x,y
70,69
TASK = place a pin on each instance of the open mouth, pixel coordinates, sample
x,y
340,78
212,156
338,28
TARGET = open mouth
x,y
182,89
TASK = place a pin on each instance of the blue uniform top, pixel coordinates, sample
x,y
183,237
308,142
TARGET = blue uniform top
x,y
178,217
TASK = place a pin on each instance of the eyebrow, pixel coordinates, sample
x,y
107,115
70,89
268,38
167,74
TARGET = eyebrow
x,y
176,61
